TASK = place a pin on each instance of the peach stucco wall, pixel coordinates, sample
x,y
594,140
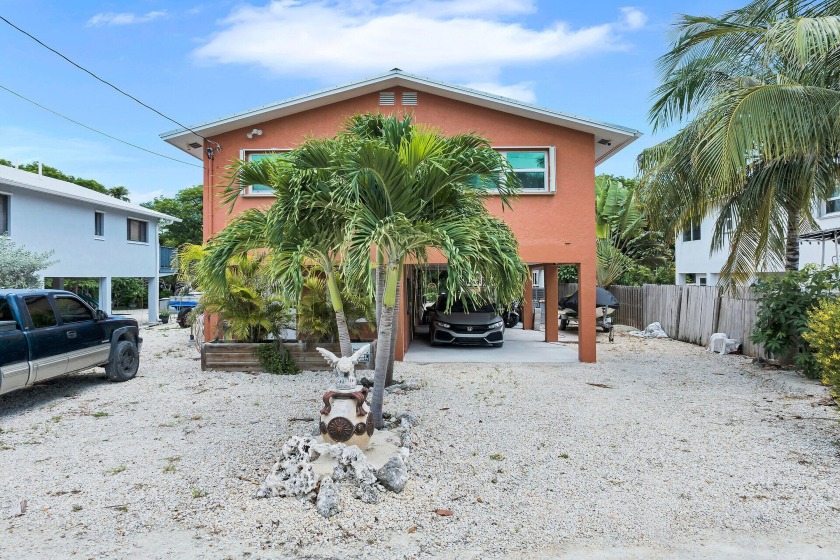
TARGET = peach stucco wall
x,y
554,228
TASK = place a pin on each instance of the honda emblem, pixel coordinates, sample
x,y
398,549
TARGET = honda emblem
x,y
469,329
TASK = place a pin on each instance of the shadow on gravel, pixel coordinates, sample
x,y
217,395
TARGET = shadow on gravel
x,y
44,393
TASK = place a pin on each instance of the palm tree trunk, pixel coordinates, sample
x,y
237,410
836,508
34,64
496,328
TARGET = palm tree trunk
x,y
383,344
343,334
389,377
792,241
380,284
338,308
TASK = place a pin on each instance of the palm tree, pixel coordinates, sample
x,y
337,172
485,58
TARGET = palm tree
x,y
300,229
622,234
759,91
406,189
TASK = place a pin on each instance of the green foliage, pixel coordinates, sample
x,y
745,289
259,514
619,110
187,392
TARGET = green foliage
x,y
275,358
187,205
567,274
823,336
624,239
128,293
316,317
638,275
785,302
246,297
756,95
18,267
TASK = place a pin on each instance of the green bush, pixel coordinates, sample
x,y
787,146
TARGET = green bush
x,y
18,267
785,302
274,358
823,336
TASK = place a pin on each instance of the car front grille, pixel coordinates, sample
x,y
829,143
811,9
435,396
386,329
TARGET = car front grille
x,y
470,328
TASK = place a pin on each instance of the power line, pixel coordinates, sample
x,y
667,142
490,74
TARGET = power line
x,y
106,82
96,131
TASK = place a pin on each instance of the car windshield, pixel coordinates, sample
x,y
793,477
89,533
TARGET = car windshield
x,y
475,305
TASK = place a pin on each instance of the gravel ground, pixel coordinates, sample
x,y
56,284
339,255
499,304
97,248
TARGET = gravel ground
x,y
660,450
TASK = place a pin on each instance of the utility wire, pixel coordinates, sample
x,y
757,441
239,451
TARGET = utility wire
x,y
96,131
106,82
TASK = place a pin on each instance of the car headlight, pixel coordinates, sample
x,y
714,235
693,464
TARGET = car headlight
x,y
442,325
497,325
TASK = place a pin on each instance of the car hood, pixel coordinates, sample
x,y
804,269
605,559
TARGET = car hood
x,y
474,318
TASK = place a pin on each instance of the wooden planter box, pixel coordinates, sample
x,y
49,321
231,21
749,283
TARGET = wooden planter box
x,y
241,356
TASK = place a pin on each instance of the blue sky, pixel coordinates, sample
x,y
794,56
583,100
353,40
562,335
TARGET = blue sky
x,y
195,61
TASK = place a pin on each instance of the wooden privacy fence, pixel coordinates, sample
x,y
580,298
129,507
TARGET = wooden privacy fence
x,y
687,313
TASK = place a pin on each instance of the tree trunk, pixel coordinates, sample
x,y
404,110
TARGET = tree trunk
x,y
792,241
383,354
338,308
389,377
343,334
380,287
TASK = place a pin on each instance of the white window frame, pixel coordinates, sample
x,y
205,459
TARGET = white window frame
x,y
126,231
244,155
837,198
550,165
8,213
101,236
690,229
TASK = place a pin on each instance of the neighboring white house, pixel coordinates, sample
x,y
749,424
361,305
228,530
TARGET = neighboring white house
x,y
696,264
92,235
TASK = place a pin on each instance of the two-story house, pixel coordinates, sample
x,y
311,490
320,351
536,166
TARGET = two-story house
x,y
554,153
90,234
697,264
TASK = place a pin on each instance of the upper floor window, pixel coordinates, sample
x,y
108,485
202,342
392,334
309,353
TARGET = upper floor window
x,y
138,231
99,224
4,214
832,205
263,190
692,232
531,166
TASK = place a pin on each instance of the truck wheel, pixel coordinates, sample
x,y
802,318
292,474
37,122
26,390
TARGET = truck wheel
x,y
182,318
124,363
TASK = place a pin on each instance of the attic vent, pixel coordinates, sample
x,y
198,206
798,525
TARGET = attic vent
x,y
604,142
409,98
194,145
386,98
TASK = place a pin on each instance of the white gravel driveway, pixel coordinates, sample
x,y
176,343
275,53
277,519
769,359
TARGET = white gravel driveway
x,y
660,450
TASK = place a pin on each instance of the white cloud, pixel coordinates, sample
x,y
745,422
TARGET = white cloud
x,y
123,18
634,18
460,40
523,91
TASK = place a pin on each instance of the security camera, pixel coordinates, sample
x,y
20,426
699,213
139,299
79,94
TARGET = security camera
x,y
255,132
209,153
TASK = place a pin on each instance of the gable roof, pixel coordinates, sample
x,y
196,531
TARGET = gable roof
x,y
613,137
32,181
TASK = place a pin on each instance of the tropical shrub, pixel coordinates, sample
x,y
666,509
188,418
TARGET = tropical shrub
x,y
823,336
785,302
18,267
275,358
316,317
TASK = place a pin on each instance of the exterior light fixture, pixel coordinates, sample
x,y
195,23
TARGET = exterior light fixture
x,y
255,132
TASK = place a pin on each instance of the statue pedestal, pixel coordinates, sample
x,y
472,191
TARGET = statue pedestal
x,y
346,417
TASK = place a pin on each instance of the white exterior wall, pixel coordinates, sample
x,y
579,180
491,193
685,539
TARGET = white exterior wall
x,y
693,257
44,222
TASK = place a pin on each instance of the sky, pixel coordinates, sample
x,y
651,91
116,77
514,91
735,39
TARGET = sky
x,y
195,61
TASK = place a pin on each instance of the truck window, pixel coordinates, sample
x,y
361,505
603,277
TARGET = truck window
x,y
5,311
40,311
72,310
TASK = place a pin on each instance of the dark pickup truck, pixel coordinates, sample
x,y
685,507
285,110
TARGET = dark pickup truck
x,y
46,333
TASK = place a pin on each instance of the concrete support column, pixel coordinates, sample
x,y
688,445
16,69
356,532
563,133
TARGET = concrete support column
x,y
58,283
105,294
153,300
528,303
551,297
586,312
